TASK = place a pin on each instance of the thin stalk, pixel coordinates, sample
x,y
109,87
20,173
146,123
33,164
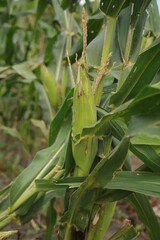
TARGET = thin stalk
x,y
102,214
126,58
60,61
108,39
95,5
128,45
6,221
64,81
31,189
25,196
122,77
69,226
106,50
100,220
107,145
68,47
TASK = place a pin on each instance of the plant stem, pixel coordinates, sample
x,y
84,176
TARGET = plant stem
x,y
100,220
108,39
68,46
106,50
126,58
102,214
25,196
6,221
122,78
64,81
128,45
95,5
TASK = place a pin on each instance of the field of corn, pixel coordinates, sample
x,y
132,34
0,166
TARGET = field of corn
x,y
79,120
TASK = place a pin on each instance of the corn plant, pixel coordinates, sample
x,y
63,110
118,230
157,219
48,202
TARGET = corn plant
x,y
111,113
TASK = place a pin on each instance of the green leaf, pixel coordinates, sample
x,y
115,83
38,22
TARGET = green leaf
x,y
81,201
154,18
23,70
41,125
144,139
44,164
126,233
41,6
134,107
130,38
50,86
50,220
48,51
71,4
4,192
6,235
11,131
47,185
144,152
44,185
105,170
138,9
148,155
111,8
36,204
59,118
145,124
61,17
44,102
141,182
94,50
141,75
29,209
3,69
146,214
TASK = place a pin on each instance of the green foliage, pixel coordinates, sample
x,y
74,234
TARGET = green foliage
x,y
95,127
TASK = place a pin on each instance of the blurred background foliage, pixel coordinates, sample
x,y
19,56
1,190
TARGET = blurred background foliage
x,y
34,33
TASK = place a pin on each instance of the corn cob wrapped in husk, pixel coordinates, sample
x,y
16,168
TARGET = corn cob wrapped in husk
x,y
51,86
84,114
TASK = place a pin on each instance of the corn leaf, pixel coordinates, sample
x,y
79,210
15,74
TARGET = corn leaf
x,y
126,233
154,18
111,8
59,118
141,182
42,164
11,131
71,4
81,201
146,214
23,70
50,220
144,139
144,152
134,107
50,86
41,6
44,102
141,74
6,235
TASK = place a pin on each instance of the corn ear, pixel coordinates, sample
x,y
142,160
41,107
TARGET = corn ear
x,y
51,86
84,114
